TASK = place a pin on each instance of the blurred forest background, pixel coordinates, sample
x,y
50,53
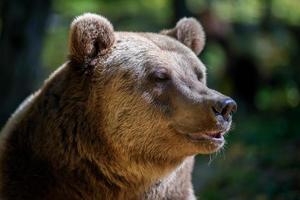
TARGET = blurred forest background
x,y
252,54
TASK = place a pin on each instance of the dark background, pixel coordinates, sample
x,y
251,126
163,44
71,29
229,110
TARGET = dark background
x,y
252,54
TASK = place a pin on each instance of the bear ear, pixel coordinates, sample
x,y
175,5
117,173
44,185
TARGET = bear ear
x,y
189,32
90,35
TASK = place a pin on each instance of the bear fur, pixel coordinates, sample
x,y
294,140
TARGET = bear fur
x,y
105,125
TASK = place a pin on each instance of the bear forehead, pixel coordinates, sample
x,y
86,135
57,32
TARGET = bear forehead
x,y
137,50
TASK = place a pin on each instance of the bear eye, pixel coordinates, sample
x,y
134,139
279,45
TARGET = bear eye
x,y
199,76
160,75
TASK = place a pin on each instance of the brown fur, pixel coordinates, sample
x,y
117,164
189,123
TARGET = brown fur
x,y
101,128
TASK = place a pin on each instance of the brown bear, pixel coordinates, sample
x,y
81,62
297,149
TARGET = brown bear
x,y
121,119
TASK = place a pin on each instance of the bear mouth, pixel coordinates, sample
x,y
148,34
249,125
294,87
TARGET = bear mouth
x,y
211,136
214,137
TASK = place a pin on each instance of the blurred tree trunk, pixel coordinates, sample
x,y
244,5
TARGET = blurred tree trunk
x,y
180,10
22,29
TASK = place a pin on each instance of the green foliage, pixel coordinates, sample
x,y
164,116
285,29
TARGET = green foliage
x,y
287,10
55,51
250,11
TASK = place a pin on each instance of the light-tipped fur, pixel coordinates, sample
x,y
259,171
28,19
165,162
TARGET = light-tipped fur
x,y
90,34
190,32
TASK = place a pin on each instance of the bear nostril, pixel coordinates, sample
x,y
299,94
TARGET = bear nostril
x,y
225,108
229,107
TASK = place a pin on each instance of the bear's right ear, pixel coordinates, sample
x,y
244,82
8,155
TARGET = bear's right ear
x,y
90,35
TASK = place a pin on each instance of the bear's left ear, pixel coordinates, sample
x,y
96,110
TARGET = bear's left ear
x,y
189,32
90,35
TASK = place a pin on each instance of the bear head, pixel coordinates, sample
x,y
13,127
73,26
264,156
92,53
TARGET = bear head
x,y
147,91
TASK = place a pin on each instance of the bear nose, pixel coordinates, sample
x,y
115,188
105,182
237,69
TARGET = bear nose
x,y
225,107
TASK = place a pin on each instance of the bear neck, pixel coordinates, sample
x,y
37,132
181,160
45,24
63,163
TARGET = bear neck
x,y
81,161
127,177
